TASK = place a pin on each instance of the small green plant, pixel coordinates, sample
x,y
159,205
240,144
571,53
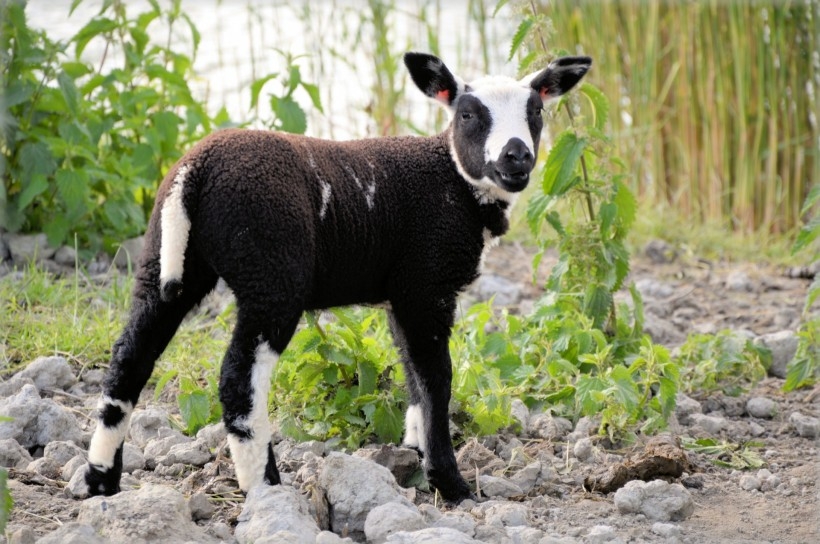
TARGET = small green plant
x,y
726,361
725,454
6,502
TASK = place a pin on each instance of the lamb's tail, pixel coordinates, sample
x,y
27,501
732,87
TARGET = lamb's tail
x,y
175,225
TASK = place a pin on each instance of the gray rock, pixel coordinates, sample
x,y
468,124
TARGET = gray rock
x,y
783,345
660,252
520,413
657,500
201,507
806,426
493,486
602,533
76,487
460,521
431,535
492,534
273,509
159,447
221,531
749,482
525,535
527,477
402,462
739,281
25,248
13,455
710,424
62,452
152,513
326,537
549,427
13,385
145,425
507,514
72,466
45,466
35,421
354,486
761,407
50,373
685,407
650,288
666,530
65,256
389,518
93,377
511,451
73,533
23,535
188,453
129,252
583,449
505,291
213,436
132,458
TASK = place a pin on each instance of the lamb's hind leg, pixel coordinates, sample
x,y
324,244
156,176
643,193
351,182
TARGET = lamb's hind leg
x,y
151,326
243,389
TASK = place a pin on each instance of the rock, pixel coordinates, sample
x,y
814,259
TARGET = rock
x,y
756,429
527,477
548,427
432,535
50,373
520,413
326,537
273,509
749,482
650,288
213,436
666,530
460,521
72,466
503,291
13,455
132,458
402,462
492,534
806,426
507,514
657,500
160,446
493,486
389,518
145,425
14,384
583,449
35,421
152,513
355,486
23,535
685,407
200,506
761,407
45,466
600,534
710,424
62,452
129,252
783,346
660,252
525,535
25,248
76,487
511,451
188,453
738,280
93,377
73,533
65,256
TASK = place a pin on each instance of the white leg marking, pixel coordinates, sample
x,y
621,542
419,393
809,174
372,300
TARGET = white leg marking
x,y
250,456
175,226
326,192
414,434
106,440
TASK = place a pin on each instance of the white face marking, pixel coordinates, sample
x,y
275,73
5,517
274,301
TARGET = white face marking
x,y
487,191
174,226
507,101
414,435
106,440
250,456
326,192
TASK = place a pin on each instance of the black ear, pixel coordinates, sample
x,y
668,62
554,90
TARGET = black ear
x,y
560,76
431,76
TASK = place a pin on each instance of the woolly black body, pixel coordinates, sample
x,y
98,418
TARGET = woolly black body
x,y
293,223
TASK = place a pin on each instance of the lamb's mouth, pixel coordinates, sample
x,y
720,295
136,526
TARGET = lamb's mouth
x,y
513,181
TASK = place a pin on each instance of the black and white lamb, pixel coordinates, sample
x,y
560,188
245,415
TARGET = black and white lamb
x,y
293,223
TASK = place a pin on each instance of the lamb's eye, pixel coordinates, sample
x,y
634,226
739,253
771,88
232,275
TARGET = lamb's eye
x,y
466,116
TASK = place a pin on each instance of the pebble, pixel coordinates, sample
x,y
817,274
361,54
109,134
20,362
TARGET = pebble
x,y
389,518
50,373
657,500
749,482
783,346
507,514
685,407
201,507
583,449
806,426
710,424
666,530
602,533
493,486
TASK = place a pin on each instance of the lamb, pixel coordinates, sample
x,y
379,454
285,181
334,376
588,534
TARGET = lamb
x,y
293,223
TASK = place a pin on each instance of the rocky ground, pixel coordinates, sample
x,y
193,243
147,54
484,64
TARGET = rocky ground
x,y
540,486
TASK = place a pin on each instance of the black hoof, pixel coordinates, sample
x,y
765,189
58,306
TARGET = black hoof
x,y
450,485
101,482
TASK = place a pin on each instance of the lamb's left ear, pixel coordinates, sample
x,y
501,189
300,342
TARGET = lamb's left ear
x,y
433,78
559,77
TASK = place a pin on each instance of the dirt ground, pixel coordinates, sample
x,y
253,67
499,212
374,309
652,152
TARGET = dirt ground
x,y
691,295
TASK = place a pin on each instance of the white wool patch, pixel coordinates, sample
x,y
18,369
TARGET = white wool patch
x,y
369,189
326,193
106,440
414,435
250,456
175,227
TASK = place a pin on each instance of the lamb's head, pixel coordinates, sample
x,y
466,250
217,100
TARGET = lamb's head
x,y
495,121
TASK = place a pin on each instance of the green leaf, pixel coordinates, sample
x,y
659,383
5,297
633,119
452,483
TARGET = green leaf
x,y
34,187
367,377
36,158
387,423
536,208
256,88
6,502
94,28
498,6
195,408
599,102
72,186
313,92
520,35
811,199
290,114
807,235
597,302
559,173
56,229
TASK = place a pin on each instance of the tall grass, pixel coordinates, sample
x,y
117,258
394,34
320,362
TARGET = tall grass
x,y
714,102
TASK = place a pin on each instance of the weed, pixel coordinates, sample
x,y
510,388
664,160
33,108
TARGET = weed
x,y
725,454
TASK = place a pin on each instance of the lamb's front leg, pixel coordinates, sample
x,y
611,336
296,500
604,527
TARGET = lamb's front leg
x,y
426,356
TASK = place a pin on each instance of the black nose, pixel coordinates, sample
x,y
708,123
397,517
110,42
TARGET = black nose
x,y
516,155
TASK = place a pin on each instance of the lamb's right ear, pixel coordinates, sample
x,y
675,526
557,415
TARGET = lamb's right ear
x,y
433,78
